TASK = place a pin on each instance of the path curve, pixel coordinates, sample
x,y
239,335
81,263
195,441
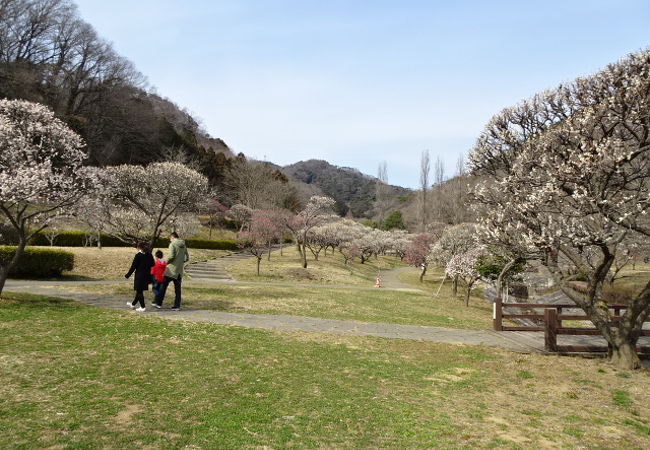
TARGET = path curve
x,y
390,279
285,322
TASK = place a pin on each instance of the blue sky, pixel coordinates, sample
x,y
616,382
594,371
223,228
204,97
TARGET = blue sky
x,y
360,82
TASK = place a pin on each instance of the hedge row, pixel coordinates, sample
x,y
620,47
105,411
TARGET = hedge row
x,y
38,262
78,239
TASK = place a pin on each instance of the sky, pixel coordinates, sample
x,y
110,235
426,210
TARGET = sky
x,y
357,82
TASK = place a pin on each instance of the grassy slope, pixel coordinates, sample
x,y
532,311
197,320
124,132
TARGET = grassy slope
x,y
77,376
329,269
113,262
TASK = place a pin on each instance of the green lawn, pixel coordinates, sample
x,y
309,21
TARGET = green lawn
x,y
329,269
371,305
74,376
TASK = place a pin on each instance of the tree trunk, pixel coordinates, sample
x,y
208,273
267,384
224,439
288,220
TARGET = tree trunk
x,y
469,291
621,336
155,234
304,257
622,353
4,270
502,275
423,273
259,260
454,286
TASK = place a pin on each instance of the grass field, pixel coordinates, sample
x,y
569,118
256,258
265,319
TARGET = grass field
x,y
110,263
73,376
329,269
633,280
370,305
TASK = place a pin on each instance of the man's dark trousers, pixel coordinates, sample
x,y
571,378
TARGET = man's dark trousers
x,y
177,290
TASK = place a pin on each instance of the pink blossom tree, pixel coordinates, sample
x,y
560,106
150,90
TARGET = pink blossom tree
x,y
267,225
214,210
418,250
41,173
254,243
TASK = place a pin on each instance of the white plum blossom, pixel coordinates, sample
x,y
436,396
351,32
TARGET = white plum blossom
x,y
568,172
41,173
143,199
317,211
463,266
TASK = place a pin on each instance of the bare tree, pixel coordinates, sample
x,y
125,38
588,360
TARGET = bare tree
x,y
258,186
425,169
381,185
438,172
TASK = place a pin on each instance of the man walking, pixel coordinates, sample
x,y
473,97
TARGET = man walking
x,y
176,259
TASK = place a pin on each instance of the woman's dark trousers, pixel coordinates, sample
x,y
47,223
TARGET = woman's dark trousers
x,y
139,297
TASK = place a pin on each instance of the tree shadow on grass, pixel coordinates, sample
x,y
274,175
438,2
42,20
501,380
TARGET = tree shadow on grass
x,y
34,301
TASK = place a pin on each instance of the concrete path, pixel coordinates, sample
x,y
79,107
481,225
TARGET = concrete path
x,y
287,322
390,279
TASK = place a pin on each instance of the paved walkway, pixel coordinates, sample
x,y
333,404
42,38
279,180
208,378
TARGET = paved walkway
x,y
526,342
285,322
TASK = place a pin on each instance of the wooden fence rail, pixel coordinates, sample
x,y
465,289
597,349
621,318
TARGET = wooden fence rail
x,y
552,318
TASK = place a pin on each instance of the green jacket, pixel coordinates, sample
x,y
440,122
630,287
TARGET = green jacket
x,y
176,258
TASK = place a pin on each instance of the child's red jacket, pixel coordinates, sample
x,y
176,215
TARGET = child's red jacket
x,y
158,270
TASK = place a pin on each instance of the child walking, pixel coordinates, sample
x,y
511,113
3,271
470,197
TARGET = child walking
x,y
141,265
158,272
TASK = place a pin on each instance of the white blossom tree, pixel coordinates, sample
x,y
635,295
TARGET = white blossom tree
x,y
568,172
90,212
242,214
463,266
185,224
455,240
143,199
317,211
399,241
41,173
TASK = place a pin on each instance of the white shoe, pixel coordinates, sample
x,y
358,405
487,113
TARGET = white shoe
x,y
130,305
140,309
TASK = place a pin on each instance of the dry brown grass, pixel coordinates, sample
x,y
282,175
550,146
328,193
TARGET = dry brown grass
x,y
111,263
329,269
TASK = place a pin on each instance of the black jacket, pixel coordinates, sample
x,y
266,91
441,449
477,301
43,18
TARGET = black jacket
x,y
142,264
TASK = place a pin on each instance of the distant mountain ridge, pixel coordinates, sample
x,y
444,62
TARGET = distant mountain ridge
x,y
353,191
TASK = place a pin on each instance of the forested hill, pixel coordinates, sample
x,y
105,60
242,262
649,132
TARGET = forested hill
x,y
50,55
352,190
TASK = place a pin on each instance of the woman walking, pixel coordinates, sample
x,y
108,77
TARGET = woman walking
x,y
141,265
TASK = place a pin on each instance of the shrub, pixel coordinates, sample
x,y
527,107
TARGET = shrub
x,y
210,245
38,262
76,239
